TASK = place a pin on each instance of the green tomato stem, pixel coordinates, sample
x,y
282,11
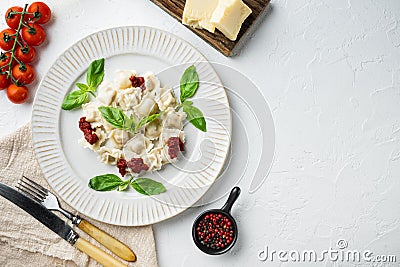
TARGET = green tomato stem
x,y
19,43
16,59
15,45
17,12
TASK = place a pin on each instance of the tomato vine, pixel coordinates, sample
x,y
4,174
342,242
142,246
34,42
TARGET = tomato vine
x,y
16,36
17,43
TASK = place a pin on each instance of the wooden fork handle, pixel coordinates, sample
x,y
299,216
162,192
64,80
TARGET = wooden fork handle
x,y
97,254
114,245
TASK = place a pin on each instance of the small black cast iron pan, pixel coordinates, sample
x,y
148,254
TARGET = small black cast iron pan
x,y
225,211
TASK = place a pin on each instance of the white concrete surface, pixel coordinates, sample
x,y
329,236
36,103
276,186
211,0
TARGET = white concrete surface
x,y
331,72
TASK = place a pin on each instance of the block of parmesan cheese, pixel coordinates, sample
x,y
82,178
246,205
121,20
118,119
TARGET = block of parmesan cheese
x,y
197,13
229,16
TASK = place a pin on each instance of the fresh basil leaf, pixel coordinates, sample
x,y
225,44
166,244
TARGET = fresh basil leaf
x,y
95,73
115,117
147,186
105,182
195,117
82,86
124,185
75,99
130,124
189,83
145,120
138,188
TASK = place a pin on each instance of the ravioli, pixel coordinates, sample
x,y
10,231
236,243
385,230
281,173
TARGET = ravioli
x,y
137,96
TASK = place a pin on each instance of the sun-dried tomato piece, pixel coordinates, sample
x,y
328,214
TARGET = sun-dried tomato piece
x,y
174,146
91,137
137,82
121,165
88,132
84,125
137,165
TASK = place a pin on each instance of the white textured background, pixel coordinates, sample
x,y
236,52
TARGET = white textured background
x,y
331,73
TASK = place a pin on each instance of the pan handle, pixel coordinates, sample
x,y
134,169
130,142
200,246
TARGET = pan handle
x,y
232,198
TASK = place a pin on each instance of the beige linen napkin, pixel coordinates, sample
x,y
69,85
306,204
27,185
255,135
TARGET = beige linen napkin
x,y
26,242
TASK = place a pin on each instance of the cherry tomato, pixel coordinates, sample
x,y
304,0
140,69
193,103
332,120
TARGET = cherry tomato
x,y
42,12
4,81
34,35
4,60
24,74
17,94
6,40
12,20
25,54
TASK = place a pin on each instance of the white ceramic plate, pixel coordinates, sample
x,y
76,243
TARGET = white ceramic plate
x,y
68,167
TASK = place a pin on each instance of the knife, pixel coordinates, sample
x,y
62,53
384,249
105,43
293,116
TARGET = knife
x,y
58,226
46,198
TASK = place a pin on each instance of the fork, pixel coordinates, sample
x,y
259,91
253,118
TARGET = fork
x,y
43,196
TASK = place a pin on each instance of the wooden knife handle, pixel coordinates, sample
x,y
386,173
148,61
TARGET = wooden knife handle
x,y
97,254
117,247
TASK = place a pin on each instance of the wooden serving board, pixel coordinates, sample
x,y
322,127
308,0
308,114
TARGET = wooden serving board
x,y
217,39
